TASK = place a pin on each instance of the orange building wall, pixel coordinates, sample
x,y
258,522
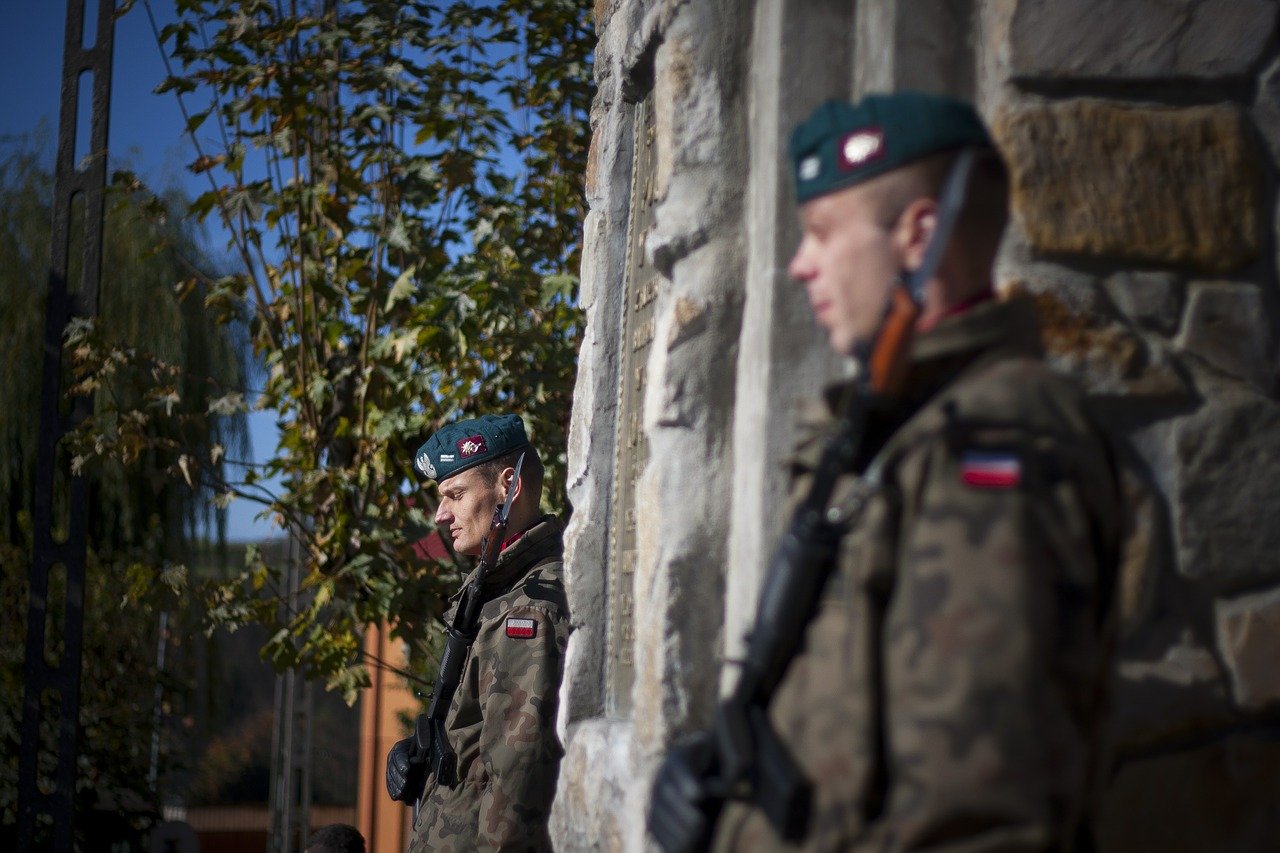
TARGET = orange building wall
x,y
385,824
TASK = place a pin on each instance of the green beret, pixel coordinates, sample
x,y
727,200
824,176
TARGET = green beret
x,y
466,444
843,144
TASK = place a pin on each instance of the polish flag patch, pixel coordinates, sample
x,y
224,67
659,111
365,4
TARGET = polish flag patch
x,y
990,469
521,629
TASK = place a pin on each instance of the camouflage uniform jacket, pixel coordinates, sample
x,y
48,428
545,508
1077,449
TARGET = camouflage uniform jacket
x,y
949,693
501,722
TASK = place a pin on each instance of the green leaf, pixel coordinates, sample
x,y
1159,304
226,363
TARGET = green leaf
x,y
563,285
402,289
196,119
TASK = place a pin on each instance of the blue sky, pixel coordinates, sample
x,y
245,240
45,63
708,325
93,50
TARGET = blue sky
x,y
145,130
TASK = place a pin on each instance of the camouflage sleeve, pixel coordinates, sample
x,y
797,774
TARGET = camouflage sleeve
x,y
993,647
521,657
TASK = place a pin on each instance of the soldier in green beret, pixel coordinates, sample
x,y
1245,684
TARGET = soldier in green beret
x,y
501,721
950,685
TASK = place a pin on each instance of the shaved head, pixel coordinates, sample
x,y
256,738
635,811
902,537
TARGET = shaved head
x,y
983,217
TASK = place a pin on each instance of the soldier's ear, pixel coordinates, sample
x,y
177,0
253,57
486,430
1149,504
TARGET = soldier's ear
x,y
507,479
914,230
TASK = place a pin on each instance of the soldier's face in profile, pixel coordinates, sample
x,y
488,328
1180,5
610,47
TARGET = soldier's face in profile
x,y
848,262
467,501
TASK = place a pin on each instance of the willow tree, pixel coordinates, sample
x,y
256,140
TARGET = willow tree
x,y
145,518
401,184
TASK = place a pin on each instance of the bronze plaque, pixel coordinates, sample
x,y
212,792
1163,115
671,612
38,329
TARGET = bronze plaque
x,y
641,291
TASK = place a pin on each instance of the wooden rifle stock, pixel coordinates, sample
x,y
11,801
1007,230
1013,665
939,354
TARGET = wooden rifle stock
x,y
888,362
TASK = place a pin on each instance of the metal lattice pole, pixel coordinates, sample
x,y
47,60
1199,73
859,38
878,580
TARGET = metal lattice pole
x,y
52,679
290,792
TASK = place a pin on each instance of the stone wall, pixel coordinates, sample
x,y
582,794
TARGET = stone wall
x,y
664,244
1143,138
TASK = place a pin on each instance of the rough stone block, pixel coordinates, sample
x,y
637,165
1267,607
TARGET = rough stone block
x,y
593,165
1225,501
594,776
1224,795
1153,301
700,134
1145,551
1226,325
1106,355
601,12
1166,691
1249,641
1138,38
1161,186
646,26
1266,109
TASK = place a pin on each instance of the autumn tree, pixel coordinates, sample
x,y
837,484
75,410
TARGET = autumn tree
x,y
401,186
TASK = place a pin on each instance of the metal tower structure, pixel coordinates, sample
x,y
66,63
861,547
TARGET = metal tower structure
x,y
51,675
290,793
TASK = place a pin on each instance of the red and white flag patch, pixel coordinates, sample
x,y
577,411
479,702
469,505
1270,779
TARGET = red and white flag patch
x,y
521,629
990,469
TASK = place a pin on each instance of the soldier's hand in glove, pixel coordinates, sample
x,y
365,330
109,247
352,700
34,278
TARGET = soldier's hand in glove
x,y
681,810
406,772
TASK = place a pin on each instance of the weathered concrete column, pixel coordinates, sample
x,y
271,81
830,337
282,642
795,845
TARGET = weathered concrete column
x,y
685,492
800,56
650,451
591,451
594,772
914,44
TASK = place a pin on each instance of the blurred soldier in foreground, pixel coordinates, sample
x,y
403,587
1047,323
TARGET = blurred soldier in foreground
x,y
480,769
928,664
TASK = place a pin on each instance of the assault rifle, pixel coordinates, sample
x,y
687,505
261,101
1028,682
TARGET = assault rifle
x,y
741,756
428,750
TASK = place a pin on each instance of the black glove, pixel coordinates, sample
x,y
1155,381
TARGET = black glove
x,y
682,809
406,772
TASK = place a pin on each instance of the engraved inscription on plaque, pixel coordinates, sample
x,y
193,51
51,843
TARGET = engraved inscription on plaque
x,y
641,292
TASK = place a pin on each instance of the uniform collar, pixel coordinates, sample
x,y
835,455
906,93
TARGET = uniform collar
x,y
937,357
1010,323
537,543
940,353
